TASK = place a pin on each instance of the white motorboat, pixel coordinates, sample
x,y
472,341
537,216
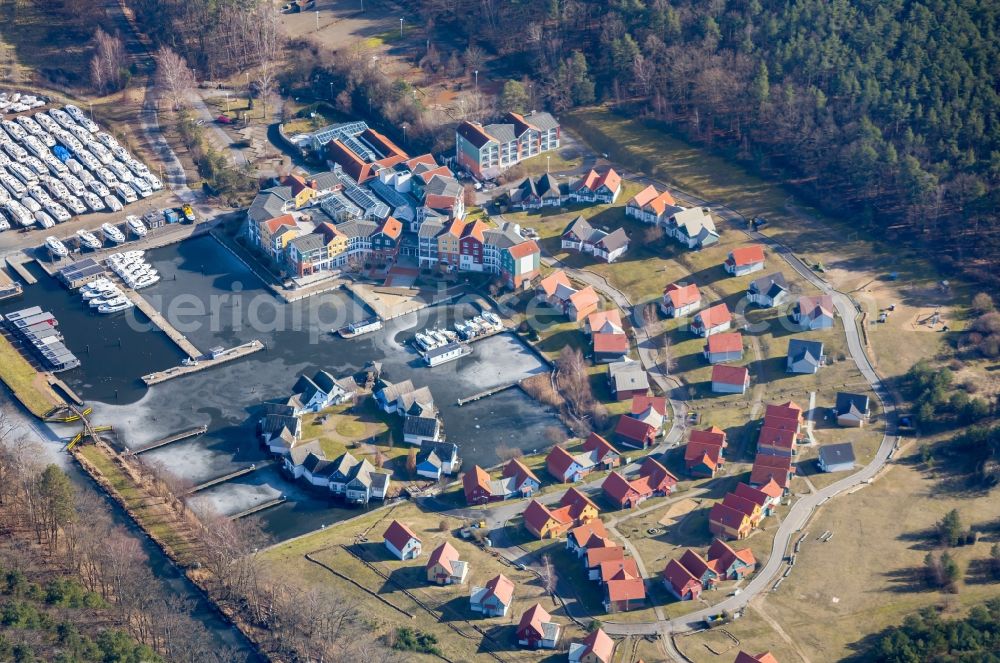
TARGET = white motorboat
x,y
146,281
98,284
136,225
112,233
136,253
88,239
114,306
104,293
104,299
56,247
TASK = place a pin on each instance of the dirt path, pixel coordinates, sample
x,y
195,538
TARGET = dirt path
x,y
773,623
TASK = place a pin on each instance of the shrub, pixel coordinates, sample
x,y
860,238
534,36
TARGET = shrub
x,y
408,639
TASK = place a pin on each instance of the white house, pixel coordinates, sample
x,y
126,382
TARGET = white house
x,y
401,541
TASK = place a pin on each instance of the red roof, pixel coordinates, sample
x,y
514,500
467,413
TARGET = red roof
x,y
657,476
597,319
726,516
788,410
618,488
585,533
660,203
736,375
771,489
475,230
399,535
536,515
781,438
678,577
695,563
272,225
645,196
558,462
476,484
770,460
550,282
633,429
616,343
641,403
741,504
600,645
682,295
426,159
610,179
577,501
755,495
725,342
523,250
812,307
619,569
746,255
500,587
444,555
391,227
595,442
695,452
633,589
532,620
714,316
582,299
597,556
711,436
764,472
515,468
722,554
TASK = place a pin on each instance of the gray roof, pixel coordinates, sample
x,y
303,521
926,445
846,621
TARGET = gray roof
x,y
549,186
298,454
277,408
430,229
379,480
770,285
273,423
326,180
342,465
440,185
628,375
310,242
615,240
388,194
338,207
418,402
503,237
801,349
358,228
544,121
582,229
269,203
362,473
835,454
695,222
423,426
856,404
391,392
315,462
503,133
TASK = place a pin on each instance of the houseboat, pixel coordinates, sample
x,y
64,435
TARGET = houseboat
x,y
358,328
446,353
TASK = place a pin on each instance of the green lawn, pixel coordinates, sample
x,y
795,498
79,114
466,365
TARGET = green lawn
x,y
27,384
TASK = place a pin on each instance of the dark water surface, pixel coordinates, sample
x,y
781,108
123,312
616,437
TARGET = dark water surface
x,y
216,301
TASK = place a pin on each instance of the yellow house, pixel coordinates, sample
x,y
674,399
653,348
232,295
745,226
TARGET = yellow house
x,y
336,241
276,233
302,191
448,243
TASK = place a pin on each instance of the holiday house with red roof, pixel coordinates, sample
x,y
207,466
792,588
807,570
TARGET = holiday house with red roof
x,y
626,494
444,566
650,206
745,260
724,347
680,300
597,647
713,320
681,582
729,523
597,187
401,541
537,630
494,599
659,479
730,379
703,455
602,453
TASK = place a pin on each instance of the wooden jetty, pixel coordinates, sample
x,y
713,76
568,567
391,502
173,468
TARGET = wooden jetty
x,y
22,271
178,338
229,477
8,286
260,507
488,392
176,437
204,363
56,383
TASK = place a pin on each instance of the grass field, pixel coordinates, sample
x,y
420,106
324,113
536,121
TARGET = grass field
x,y
446,611
853,262
25,382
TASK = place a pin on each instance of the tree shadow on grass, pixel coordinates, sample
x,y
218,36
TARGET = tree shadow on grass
x,y
406,577
925,539
980,572
910,580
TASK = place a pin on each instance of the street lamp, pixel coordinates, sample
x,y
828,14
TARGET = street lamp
x,y
547,157
227,102
400,28
476,72
404,132
331,89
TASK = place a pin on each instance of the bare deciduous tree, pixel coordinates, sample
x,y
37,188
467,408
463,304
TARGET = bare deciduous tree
x,y
548,576
173,76
108,66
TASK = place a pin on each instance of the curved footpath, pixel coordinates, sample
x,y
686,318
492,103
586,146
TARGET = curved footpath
x,y
803,509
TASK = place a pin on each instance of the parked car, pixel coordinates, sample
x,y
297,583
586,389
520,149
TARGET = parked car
x,y
224,119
